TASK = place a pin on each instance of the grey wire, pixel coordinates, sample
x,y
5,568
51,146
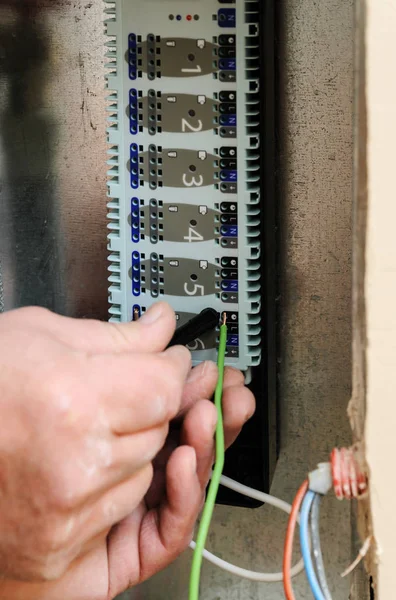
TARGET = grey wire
x,y
316,548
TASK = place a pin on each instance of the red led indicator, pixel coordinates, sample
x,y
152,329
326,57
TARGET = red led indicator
x,y
189,17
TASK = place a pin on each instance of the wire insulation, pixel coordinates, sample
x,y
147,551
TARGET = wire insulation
x,y
362,553
239,571
217,472
255,494
316,547
304,540
288,550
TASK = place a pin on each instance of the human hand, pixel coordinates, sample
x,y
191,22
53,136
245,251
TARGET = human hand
x,y
85,407
161,526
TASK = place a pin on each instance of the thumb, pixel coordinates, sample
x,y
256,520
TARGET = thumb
x,y
151,333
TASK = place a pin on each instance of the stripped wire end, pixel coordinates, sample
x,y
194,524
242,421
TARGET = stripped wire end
x,y
362,553
224,318
136,314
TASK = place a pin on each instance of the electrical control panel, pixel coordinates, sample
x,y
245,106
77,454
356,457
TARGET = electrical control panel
x,y
184,165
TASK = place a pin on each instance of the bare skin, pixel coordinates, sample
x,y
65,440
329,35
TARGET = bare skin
x,y
105,451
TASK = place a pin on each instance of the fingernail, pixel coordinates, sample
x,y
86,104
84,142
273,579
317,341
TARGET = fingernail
x,y
153,314
205,369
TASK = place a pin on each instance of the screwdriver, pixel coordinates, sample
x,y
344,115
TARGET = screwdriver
x,y
207,320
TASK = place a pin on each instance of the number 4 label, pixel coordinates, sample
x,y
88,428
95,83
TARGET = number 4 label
x,y
193,236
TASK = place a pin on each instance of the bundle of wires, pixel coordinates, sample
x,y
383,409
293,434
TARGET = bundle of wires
x,y
217,479
343,474
309,501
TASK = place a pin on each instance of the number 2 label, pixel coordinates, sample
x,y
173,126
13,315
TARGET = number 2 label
x,y
186,125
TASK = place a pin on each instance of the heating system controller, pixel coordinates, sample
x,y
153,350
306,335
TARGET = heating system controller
x,y
184,177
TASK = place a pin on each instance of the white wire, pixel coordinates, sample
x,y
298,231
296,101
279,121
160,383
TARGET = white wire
x,y
362,553
245,573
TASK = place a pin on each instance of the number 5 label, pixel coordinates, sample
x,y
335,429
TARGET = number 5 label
x,y
197,290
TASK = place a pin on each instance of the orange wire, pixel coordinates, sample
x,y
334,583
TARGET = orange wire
x,y
288,551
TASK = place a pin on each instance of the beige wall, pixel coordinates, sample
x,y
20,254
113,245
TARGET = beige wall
x,y
380,283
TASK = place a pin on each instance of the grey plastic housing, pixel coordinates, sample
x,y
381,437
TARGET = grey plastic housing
x,y
166,77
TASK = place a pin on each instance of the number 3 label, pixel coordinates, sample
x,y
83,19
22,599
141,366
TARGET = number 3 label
x,y
194,182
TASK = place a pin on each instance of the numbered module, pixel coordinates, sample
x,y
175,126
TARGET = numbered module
x,y
159,112
184,166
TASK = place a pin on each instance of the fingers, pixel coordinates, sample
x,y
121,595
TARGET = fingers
x,y
154,542
200,421
95,521
123,553
165,531
157,490
173,525
198,432
138,391
238,404
200,384
233,377
151,333
118,503
133,452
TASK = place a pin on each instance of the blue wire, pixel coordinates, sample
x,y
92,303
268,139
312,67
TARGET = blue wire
x,y
317,556
305,547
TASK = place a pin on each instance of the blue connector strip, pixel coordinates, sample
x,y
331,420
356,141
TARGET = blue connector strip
x,y
134,158
133,112
132,55
137,308
136,273
135,220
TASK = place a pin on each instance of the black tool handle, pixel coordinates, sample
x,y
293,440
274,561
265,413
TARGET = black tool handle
x,y
185,334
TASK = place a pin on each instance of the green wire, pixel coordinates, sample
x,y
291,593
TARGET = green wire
x,y
217,472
